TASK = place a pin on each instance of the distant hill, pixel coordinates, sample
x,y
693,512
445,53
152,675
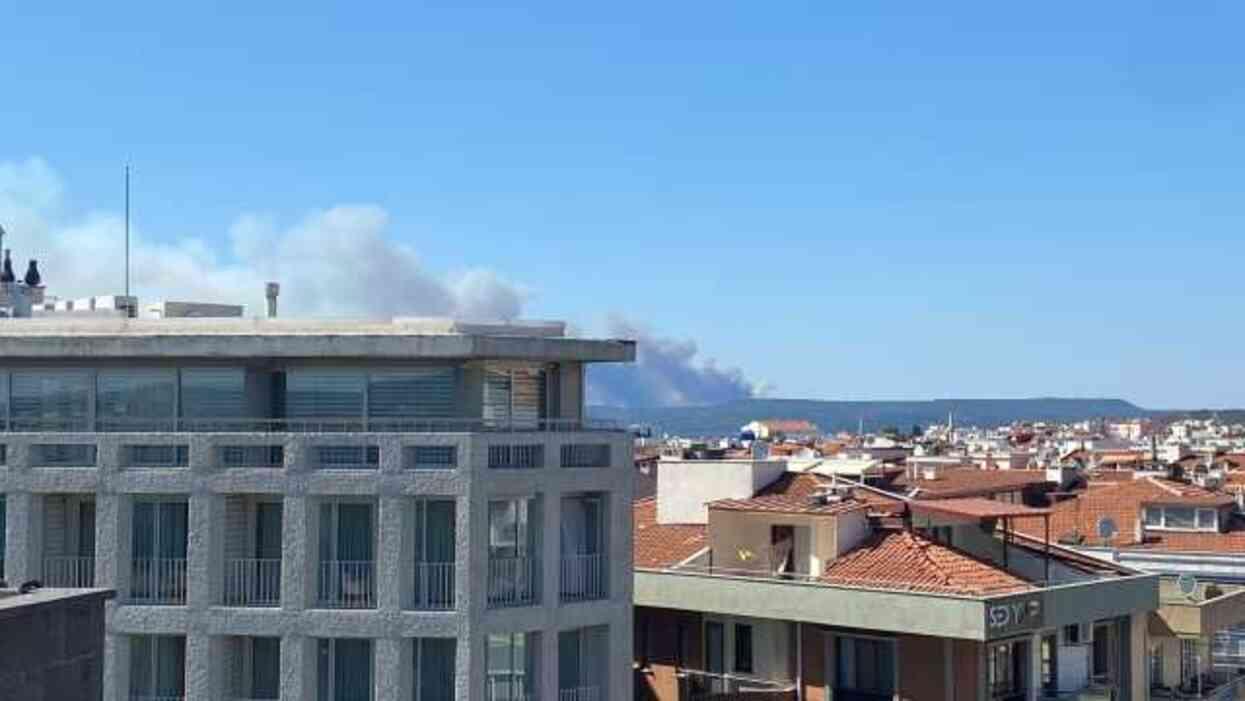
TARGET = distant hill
x,y
833,416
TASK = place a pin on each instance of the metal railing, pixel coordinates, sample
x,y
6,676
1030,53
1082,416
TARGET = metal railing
x,y
1218,686
159,455
513,581
347,457
353,424
702,686
516,457
149,697
252,456
158,581
434,586
253,582
580,693
69,571
349,584
585,455
583,577
508,688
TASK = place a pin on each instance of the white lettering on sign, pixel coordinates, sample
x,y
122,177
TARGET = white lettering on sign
x,y
1013,614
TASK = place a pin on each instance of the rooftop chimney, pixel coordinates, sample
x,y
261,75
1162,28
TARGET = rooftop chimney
x,y
32,274
271,290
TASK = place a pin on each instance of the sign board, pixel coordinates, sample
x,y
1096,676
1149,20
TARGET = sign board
x,y
1014,615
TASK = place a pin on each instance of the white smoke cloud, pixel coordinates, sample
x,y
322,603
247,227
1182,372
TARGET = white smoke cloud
x,y
338,261
667,372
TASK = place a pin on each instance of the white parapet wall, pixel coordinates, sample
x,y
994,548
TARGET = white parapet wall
x,y
685,486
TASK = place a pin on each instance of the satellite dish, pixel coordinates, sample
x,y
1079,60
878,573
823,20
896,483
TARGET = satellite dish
x,y
1187,584
1107,528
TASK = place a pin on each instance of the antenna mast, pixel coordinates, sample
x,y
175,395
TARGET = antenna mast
x,y
127,229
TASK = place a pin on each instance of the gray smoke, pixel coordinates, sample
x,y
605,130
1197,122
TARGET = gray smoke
x,y
339,261
667,372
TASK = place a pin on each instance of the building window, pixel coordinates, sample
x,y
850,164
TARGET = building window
x,y
344,669
157,667
865,669
135,400
583,656
1005,667
1180,518
514,552
743,648
1050,663
347,562
51,401
434,668
511,666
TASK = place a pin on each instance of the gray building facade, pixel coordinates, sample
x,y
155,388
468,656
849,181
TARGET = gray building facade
x,y
412,510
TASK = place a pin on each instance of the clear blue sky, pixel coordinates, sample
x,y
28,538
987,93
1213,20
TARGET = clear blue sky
x,y
952,199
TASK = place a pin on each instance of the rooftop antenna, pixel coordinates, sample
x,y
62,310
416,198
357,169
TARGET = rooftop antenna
x,y
127,229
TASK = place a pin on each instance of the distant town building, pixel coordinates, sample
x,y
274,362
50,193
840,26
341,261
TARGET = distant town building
x,y
798,430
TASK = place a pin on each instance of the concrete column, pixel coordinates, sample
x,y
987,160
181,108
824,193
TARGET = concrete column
x,y
205,556
1035,667
298,667
619,658
389,592
206,667
551,553
23,559
388,664
547,664
113,514
116,667
299,522
1139,677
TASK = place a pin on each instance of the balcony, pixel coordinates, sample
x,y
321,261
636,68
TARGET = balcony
x,y
434,586
697,685
583,577
347,584
69,571
253,582
580,693
159,581
513,581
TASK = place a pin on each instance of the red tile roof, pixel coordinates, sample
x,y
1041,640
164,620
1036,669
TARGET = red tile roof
x,y
893,559
663,545
1122,502
789,425
969,481
976,507
780,503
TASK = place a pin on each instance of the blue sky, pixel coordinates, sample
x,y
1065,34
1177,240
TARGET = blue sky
x,y
944,199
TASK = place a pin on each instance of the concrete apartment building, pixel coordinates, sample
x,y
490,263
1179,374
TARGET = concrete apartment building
x,y
414,510
770,585
52,644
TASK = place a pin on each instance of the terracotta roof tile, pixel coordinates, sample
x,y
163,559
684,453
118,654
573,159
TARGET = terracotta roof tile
x,y
964,482
1123,501
780,503
894,559
663,545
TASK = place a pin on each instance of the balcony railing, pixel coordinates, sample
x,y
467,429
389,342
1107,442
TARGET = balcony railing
x,y
702,686
348,584
316,425
580,693
513,581
149,697
583,577
253,582
434,586
507,688
71,572
158,581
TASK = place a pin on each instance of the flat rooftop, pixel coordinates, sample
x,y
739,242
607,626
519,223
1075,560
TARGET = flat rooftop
x,y
401,337
14,603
